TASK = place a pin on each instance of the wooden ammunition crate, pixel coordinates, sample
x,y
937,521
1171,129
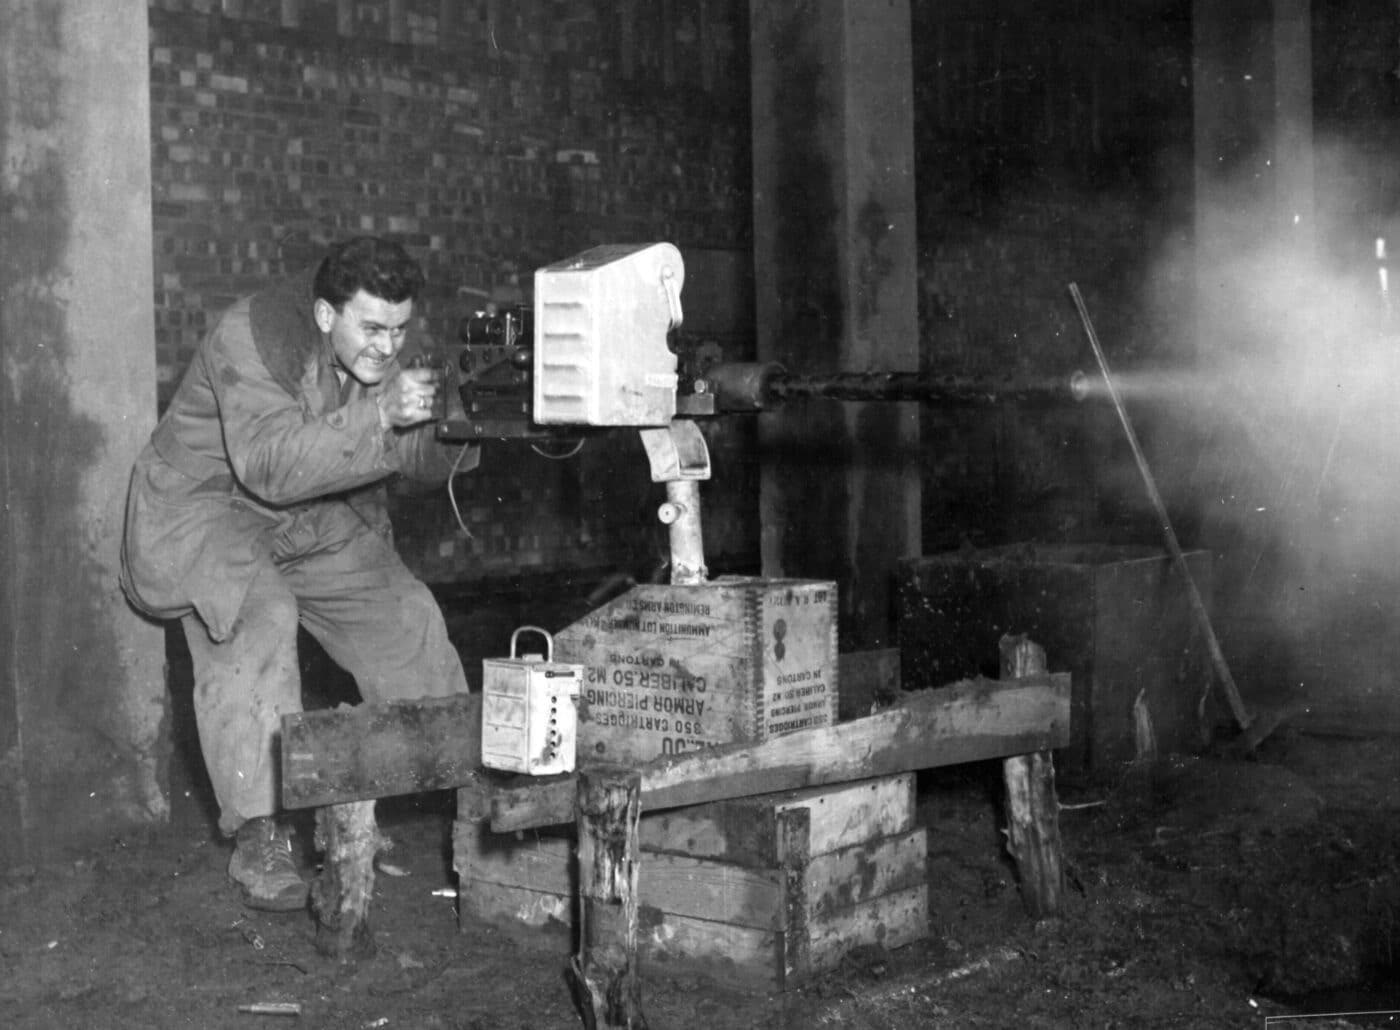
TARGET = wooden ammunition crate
x,y
1116,617
762,892
671,668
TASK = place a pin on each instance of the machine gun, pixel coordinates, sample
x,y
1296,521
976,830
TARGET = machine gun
x,y
595,352
598,349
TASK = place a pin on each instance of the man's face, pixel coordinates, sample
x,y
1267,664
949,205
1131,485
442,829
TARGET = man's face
x,y
366,334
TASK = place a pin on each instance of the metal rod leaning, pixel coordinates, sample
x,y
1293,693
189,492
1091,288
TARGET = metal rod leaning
x,y
1246,723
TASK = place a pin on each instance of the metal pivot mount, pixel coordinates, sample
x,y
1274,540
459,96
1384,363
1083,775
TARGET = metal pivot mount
x,y
680,458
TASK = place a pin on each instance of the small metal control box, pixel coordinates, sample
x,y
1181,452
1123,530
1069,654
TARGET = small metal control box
x,y
529,710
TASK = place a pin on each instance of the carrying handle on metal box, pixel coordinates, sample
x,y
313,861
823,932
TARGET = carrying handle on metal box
x,y
548,640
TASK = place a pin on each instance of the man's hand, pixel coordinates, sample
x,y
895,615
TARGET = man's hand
x,y
408,397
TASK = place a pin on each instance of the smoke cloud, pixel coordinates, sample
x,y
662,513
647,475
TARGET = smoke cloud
x,y
1286,440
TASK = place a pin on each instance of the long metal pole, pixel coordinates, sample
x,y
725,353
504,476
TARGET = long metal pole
x,y
1222,670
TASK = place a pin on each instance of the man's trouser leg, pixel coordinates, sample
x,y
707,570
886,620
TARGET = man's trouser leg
x,y
242,688
381,625
374,619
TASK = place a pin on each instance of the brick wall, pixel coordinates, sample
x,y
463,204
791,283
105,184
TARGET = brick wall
x,y
1053,143
493,137
490,137
1053,146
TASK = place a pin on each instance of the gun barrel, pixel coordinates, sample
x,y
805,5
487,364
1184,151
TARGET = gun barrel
x,y
756,387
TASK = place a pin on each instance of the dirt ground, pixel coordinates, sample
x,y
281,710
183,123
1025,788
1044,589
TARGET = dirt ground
x,y
1209,891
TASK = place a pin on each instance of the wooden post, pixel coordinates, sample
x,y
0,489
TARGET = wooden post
x,y
1032,809
795,855
473,813
340,897
606,987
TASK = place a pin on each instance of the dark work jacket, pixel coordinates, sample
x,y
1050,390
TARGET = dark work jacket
x,y
261,446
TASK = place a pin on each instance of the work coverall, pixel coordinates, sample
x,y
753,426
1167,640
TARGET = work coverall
x,y
261,501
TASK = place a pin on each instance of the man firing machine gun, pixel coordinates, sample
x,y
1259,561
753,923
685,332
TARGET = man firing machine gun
x,y
667,672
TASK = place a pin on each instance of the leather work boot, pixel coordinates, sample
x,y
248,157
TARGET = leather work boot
x,y
262,865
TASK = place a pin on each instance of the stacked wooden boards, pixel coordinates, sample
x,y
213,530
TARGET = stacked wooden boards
x,y
763,891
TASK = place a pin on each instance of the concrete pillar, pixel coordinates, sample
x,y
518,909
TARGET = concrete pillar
x,y
835,278
82,690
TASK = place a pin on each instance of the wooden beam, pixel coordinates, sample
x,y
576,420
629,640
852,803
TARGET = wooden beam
x,y
968,721
337,755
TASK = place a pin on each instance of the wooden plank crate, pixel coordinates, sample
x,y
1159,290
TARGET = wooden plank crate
x,y
670,668
763,891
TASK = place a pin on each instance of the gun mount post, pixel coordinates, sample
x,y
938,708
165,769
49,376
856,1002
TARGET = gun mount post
x,y
680,458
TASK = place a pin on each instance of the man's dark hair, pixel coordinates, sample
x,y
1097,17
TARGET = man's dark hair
x,y
379,267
